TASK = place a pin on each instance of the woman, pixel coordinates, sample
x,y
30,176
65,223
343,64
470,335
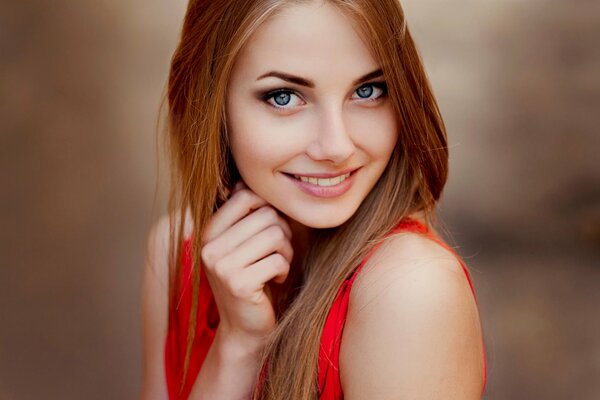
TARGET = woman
x,y
307,147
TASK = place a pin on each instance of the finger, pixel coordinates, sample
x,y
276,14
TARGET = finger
x,y
237,207
249,226
273,267
257,247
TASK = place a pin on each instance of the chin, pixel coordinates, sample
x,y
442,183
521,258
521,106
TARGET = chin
x,y
319,220
314,213
323,224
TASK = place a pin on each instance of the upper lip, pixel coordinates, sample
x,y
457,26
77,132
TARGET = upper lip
x,y
324,174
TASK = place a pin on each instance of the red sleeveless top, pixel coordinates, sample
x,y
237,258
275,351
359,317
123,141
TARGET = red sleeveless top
x,y
208,319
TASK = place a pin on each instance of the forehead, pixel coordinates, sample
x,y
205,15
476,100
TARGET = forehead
x,y
314,40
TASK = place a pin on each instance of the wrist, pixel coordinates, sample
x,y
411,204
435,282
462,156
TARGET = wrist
x,y
235,347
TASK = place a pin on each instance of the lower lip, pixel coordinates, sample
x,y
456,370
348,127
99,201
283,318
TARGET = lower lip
x,y
324,191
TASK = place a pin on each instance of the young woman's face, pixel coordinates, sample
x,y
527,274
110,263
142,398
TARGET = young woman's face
x,y
307,98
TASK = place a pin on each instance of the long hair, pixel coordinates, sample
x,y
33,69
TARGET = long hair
x,y
202,170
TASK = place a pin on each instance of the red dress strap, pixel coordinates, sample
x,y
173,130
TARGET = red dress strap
x,y
207,320
328,375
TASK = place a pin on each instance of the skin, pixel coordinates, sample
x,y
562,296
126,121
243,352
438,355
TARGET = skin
x,y
262,231
331,127
412,329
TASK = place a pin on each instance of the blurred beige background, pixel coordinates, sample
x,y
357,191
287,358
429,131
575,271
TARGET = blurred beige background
x,y
80,83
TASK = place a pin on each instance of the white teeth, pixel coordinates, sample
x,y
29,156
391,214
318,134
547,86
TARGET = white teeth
x,y
323,181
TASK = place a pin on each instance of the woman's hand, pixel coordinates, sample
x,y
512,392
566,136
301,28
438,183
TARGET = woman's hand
x,y
245,245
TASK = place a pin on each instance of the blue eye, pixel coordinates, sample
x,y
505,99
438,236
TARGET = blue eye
x,y
366,91
281,98
284,99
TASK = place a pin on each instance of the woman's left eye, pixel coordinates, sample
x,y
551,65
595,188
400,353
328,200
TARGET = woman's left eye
x,y
371,91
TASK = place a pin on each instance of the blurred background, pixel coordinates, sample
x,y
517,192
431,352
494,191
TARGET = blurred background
x,y
518,83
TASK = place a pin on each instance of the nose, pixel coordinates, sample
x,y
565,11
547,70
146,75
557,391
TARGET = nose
x,y
333,141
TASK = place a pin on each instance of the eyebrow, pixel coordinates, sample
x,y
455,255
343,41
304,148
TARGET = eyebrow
x,y
306,82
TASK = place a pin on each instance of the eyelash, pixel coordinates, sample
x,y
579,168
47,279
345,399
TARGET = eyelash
x,y
269,95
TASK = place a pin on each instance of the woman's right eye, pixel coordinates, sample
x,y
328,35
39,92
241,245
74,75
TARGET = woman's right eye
x,y
282,99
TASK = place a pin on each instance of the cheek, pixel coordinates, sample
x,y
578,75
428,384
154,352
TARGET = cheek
x,y
259,140
377,132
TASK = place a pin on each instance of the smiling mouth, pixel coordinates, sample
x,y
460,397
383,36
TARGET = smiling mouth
x,y
322,182
329,187
336,180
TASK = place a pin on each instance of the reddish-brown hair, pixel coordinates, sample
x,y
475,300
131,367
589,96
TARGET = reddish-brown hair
x,y
202,168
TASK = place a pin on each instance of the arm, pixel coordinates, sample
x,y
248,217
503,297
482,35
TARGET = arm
x,y
228,360
246,244
413,329
154,312
229,370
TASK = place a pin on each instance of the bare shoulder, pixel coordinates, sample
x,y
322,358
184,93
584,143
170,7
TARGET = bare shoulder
x,y
154,296
405,257
413,327
158,244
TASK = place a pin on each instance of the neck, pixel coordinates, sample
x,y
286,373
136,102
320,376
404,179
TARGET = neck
x,y
301,239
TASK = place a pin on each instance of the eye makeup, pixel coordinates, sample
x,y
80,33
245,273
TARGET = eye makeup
x,y
379,85
271,94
